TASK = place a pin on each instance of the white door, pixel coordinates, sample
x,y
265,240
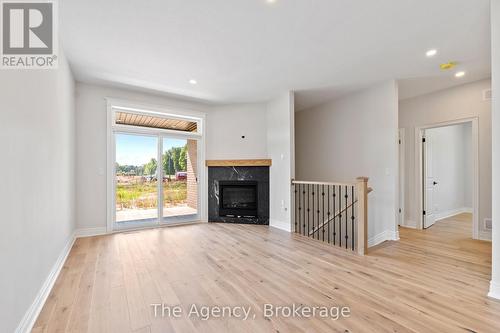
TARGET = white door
x,y
428,182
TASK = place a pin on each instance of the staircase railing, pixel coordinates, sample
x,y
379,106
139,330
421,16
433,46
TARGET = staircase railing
x,y
333,212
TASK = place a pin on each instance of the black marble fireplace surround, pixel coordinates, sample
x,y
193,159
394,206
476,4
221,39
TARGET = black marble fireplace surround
x,y
245,176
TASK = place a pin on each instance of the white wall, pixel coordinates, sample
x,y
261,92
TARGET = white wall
x,y
465,101
227,124
495,62
451,168
224,128
280,143
37,130
350,137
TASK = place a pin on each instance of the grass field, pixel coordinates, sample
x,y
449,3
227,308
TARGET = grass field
x,y
143,195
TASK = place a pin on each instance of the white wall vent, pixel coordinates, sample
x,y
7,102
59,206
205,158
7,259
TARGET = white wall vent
x,y
487,224
487,95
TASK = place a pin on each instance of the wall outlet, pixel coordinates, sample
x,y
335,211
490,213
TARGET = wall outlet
x,y
283,208
487,224
487,95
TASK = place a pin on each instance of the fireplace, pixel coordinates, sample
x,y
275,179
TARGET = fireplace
x,y
238,194
238,198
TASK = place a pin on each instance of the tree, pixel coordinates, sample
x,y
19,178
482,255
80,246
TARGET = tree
x,y
176,156
139,170
174,160
182,159
150,167
168,163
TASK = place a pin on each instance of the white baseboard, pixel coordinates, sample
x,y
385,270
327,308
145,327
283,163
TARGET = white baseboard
x,y
409,224
394,235
494,290
88,232
382,237
485,236
26,324
452,212
280,225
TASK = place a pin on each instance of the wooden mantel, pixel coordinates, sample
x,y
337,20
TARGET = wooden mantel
x,y
226,163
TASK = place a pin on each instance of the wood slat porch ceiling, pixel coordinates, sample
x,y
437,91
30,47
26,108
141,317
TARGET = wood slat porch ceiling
x,y
124,118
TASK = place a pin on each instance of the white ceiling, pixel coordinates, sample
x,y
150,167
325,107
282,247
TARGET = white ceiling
x,y
250,50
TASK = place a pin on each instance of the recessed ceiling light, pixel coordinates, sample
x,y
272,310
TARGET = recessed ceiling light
x,y
193,81
270,1
431,53
459,74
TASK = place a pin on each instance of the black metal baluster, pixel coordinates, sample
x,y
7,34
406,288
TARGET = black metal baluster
x,y
334,215
328,212
352,217
317,210
299,208
303,208
346,215
308,210
295,206
312,211
323,212
340,216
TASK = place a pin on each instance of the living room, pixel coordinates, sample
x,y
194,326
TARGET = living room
x,y
215,166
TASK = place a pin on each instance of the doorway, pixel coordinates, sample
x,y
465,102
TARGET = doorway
x,y
154,167
448,172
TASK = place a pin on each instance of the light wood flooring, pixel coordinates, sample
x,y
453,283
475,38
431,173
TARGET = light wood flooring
x,y
434,280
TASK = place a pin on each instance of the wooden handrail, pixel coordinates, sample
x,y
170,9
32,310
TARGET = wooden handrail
x,y
323,183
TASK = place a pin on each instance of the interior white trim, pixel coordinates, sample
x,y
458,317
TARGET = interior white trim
x,y
180,113
89,232
475,154
385,235
401,213
452,212
494,290
26,324
280,225
485,236
410,224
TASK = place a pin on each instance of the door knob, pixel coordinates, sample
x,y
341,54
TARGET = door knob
x,y
434,183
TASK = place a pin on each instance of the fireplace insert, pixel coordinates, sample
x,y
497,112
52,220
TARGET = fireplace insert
x,y
238,198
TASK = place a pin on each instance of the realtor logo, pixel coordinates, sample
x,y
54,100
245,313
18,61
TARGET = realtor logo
x,y
29,39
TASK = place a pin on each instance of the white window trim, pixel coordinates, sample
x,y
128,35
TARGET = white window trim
x,y
114,104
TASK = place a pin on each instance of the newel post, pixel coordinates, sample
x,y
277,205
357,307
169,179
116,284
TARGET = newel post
x,y
362,236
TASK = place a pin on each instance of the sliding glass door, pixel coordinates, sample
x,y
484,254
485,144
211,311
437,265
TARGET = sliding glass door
x,y
136,189
156,180
180,179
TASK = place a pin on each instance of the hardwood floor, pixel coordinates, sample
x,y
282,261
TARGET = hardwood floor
x,y
431,281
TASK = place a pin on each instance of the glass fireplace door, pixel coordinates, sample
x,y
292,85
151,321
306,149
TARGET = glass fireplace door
x,y
238,198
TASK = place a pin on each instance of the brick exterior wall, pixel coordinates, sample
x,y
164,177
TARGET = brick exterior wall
x,y
192,172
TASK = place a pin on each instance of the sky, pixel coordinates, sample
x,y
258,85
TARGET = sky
x,y
139,150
